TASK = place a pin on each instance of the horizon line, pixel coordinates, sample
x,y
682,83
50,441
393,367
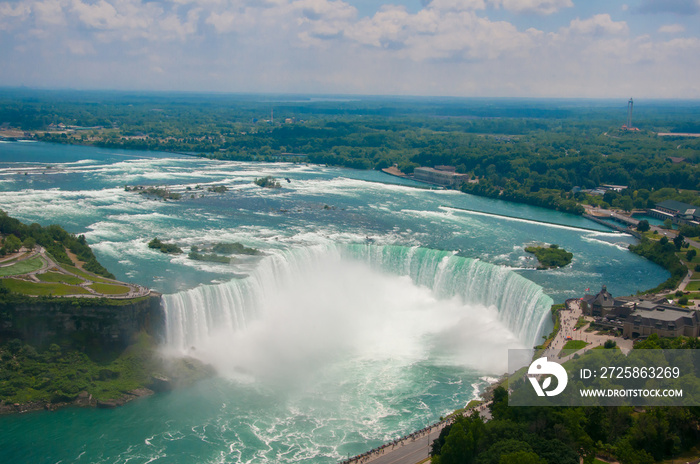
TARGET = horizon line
x,y
335,95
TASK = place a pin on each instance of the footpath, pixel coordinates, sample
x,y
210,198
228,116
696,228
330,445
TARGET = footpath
x,y
87,282
415,447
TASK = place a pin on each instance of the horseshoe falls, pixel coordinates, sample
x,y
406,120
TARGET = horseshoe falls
x,y
196,315
374,308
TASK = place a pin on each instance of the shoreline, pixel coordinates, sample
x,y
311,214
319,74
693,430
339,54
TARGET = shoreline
x,y
84,400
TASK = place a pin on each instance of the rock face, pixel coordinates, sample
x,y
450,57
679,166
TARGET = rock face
x,y
82,321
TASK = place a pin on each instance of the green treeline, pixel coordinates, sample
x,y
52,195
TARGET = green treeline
x,y
533,152
551,257
553,435
663,253
56,241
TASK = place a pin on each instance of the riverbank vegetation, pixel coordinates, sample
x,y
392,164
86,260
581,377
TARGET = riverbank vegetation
x,y
663,253
54,375
547,435
550,257
58,374
532,152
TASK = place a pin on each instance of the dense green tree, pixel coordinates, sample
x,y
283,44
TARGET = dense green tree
x,y
11,244
679,241
521,457
29,243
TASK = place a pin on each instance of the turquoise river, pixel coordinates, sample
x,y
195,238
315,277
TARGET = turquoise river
x,y
376,307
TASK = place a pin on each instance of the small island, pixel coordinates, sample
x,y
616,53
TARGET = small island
x,y
169,248
158,192
214,254
551,257
208,257
267,182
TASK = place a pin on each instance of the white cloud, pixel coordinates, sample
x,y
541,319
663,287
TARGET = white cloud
x,y
13,14
50,12
672,29
458,5
545,7
79,47
598,25
449,47
225,21
322,19
434,34
325,9
123,14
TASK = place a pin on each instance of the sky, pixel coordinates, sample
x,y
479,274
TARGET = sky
x,y
467,48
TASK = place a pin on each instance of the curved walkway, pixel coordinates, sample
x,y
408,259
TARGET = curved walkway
x,y
134,290
568,319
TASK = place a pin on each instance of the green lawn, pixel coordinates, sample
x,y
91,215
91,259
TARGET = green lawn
x,y
108,289
10,261
693,286
84,274
572,345
42,289
22,267
58,277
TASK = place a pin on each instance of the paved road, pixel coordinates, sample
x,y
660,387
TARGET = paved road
x,y
415,448
410,453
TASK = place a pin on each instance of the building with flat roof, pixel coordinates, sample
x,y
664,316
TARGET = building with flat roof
x,y
445,176
678,212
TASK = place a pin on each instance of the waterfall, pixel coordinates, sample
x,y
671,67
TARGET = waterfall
x,y
193,315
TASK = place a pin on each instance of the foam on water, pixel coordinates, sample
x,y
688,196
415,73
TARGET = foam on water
x,y
370,302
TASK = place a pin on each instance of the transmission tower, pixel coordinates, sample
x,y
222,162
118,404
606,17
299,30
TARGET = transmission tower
x,y
630,106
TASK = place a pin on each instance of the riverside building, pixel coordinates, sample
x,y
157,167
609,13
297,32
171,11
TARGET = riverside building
x,y
642,316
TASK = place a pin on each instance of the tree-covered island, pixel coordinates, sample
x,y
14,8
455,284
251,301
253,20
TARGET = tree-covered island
x,y
550,257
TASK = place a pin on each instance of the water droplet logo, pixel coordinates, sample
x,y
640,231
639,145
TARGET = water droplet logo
x,y
543,367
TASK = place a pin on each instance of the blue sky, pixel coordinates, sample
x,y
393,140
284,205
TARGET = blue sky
x,y
474,48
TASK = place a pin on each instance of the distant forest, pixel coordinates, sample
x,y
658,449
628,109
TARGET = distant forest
x,y
533,151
